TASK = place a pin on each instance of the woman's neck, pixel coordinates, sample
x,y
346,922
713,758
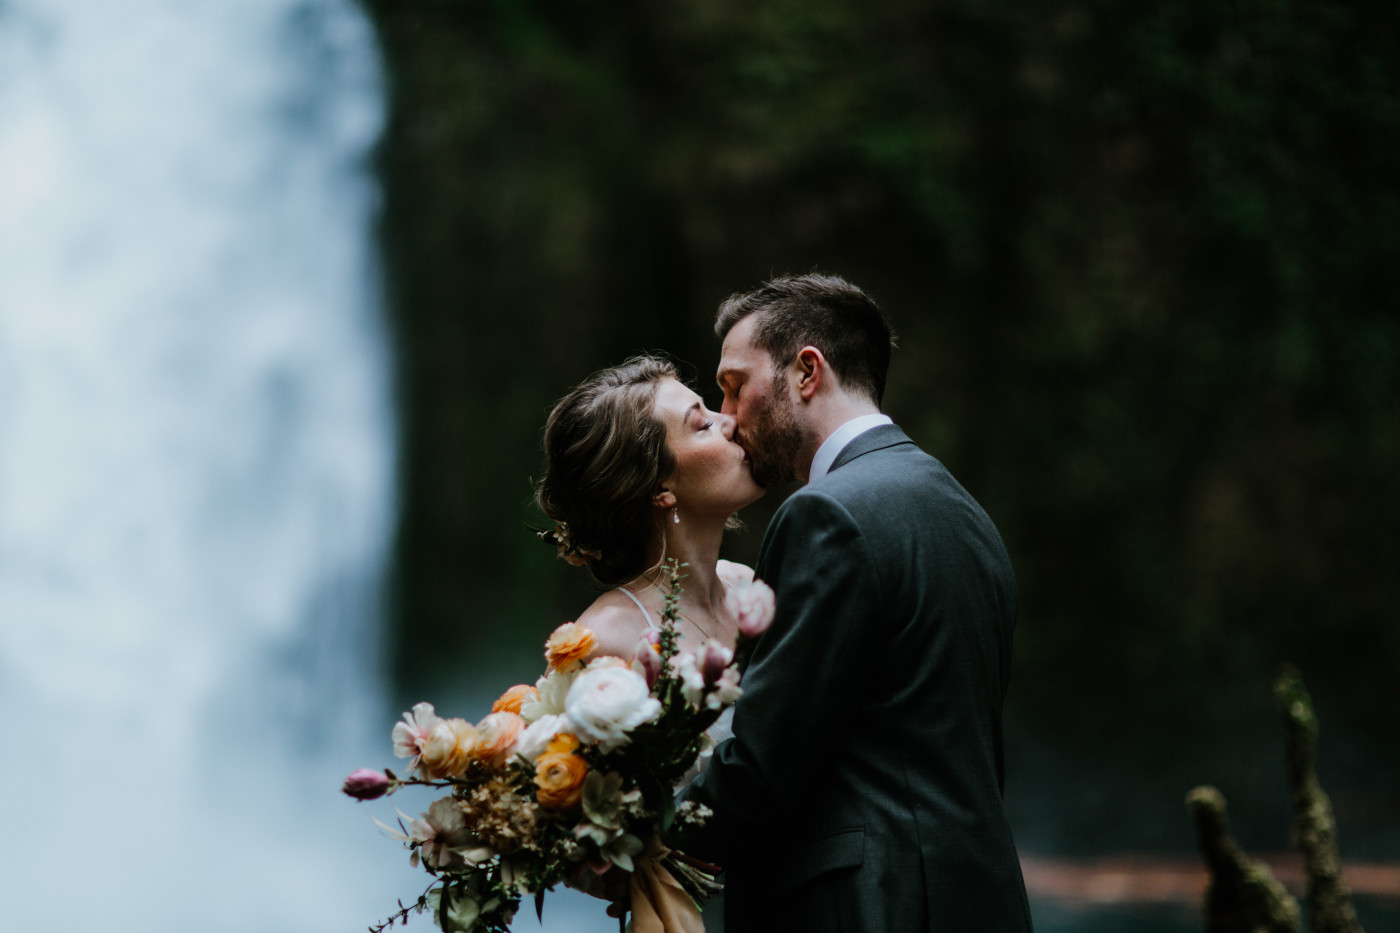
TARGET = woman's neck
x,y
697,548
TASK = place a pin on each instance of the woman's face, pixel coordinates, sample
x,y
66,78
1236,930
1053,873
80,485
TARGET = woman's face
x,y
712,472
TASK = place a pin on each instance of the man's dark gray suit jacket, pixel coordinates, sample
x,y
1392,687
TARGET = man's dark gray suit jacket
x,y
863,787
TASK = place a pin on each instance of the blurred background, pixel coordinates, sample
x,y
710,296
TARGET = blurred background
x,y
288,287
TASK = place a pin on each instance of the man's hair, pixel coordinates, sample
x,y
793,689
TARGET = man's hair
x,y
823,311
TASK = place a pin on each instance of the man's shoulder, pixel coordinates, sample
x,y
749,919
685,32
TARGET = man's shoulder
x,y
882,462
886,487
868,489
820,500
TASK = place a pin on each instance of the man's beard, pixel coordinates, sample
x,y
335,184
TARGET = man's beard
x,y
775,439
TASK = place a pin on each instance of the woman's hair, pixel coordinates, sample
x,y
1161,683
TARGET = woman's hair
x,y
605,458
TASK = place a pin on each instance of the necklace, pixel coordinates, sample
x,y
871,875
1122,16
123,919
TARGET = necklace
x,y
693,622
651,584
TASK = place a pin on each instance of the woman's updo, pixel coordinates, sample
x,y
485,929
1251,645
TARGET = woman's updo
x,y
605,458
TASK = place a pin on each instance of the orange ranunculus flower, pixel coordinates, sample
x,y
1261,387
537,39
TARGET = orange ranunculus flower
x,y
562,744
511,700
448,749
496,735
569,643
559,774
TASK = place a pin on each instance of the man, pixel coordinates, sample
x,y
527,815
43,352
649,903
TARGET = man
x,y
863,787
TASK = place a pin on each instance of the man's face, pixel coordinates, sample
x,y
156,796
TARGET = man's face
x,y
759,400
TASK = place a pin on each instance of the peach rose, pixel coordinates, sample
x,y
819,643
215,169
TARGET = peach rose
x,y
495,738
448,749
511,700
569,644
559,774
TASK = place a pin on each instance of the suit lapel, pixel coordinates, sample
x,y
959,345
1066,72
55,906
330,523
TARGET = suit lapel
x,y
886,435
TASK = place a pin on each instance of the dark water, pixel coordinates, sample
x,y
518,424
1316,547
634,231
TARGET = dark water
x,y
1061,917
1377,915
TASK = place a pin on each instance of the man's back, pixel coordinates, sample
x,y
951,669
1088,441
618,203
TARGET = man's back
x,y
871,723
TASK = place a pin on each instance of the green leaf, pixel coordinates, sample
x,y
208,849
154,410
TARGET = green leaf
x,y
457,910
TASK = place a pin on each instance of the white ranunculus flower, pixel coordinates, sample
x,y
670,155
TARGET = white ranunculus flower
x,y
726,691
553,688
686,669
606,703
532,741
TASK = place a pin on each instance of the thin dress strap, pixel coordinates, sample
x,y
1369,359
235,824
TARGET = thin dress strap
x,y
651,626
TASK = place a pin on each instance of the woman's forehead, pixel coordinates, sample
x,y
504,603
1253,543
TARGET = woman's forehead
x,y
674,399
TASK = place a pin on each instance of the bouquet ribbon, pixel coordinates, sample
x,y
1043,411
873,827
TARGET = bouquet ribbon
x,y
659,903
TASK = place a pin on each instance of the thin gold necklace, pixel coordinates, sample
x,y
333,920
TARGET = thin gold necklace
x,y
694,623
651,584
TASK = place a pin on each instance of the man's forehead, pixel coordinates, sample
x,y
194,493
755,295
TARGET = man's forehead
x,y
738,355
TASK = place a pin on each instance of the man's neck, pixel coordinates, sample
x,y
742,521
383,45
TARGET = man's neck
x,y
826,416
840,439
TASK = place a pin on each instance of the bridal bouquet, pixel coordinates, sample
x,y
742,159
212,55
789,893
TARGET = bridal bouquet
x,y
569,780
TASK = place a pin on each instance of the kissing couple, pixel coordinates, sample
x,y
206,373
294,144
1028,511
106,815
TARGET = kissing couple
x,y
859,784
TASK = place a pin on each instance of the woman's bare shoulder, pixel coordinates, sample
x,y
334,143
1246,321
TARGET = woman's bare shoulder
x,y
616,622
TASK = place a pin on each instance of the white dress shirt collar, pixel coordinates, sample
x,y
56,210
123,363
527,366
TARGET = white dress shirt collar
x,y
831,447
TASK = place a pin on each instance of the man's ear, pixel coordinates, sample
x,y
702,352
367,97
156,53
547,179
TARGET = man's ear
x,y
810,371
665,499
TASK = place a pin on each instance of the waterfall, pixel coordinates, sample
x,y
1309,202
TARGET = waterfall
x,y
196,466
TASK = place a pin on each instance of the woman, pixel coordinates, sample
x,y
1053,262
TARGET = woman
x,y
639,472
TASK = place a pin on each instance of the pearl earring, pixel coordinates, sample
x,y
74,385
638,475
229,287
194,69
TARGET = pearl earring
x,y
675,516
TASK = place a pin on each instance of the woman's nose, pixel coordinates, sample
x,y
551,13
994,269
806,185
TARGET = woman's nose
x,y
726,424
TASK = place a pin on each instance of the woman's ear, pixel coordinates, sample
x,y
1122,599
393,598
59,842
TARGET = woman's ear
x,y
665,499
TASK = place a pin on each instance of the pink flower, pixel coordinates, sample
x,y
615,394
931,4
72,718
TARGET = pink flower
x,y
714,658
496,737
443,838
440,838
752,606
365,784
709,679
646,660
411,735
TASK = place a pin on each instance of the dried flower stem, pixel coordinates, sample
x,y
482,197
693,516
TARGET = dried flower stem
x,y
402,913
696,863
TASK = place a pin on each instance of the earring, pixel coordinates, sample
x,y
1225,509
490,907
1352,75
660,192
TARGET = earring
x,y
675,516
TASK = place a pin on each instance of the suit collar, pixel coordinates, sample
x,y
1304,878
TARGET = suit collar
x,y
887,435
